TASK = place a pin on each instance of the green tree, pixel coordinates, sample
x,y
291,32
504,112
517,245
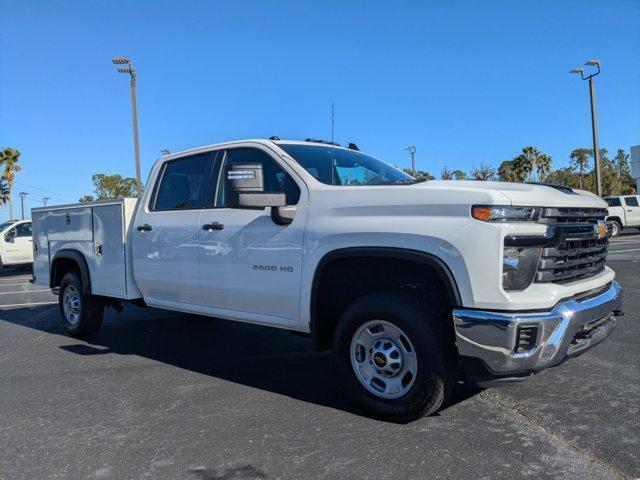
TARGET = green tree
x,y
86,198
528,160
108,187
446,174
507,171
9,165
459,175
580,160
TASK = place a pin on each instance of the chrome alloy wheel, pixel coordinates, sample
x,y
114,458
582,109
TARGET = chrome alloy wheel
x,y
71,304
383,359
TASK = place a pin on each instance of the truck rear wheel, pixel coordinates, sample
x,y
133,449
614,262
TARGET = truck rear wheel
x,y
394,356
81,313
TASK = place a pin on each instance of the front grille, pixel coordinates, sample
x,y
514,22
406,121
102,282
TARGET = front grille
x,y
582,254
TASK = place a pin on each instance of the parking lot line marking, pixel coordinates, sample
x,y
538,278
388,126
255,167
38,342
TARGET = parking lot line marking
x,y
27,304
27,291
626,250
12,284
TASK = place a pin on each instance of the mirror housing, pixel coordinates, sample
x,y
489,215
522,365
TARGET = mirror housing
x,y
10,235
246,177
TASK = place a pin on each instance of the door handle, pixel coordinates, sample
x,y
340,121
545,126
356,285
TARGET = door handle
x,y
629,210
145,227
212,226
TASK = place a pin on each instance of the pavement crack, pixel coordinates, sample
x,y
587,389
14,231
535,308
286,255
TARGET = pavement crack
x,y
515,410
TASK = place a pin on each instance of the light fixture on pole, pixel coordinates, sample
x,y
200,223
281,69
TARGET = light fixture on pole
x,y
412,151
22,195
128,68
594,119
45,200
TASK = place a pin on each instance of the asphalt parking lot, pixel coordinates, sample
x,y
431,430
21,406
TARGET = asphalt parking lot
x,y
160,395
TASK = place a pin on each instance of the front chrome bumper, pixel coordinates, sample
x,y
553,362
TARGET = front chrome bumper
x,y
569,329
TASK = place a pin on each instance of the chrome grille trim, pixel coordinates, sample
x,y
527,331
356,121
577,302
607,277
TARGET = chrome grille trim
x,y
582,254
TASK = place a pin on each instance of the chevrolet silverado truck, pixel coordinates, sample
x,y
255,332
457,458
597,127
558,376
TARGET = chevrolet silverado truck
x,y
411,284
623,212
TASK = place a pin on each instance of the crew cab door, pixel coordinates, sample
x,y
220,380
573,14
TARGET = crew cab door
x,y
632,210
249,265
18,244
166,232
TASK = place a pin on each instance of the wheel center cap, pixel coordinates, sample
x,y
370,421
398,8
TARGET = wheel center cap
x,y
380,359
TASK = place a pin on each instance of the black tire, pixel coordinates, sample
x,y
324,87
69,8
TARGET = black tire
x,y
427,326
616,228
90,310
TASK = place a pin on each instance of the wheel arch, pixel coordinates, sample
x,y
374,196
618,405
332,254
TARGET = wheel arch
x,y
321,329
66,260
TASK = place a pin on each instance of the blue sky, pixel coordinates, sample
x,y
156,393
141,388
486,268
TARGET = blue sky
x,y
465,82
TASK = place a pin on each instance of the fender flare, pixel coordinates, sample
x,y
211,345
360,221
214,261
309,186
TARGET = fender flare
x,y
439,266
79,259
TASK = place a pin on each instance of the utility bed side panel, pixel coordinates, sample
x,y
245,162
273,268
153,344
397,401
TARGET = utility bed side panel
x,y
100,231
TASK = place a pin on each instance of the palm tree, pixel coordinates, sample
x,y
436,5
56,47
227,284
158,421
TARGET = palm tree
x,y
529,160
4,192
580,159
446,174
9,164
543,166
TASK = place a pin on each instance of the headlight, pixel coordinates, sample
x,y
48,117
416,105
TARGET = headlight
x,y
519,266
498,213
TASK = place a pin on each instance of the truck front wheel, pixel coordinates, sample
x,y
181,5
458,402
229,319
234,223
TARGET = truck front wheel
x,y
394,356
615,228
81,313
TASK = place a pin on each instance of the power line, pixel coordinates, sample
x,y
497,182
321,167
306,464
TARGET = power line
x,y
46,190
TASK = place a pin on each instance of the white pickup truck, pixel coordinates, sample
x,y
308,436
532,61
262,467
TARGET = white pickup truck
x,y
411,284
623,212
15,243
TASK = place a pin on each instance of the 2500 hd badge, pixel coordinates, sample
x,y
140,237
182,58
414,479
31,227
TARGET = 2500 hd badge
x,y
273,268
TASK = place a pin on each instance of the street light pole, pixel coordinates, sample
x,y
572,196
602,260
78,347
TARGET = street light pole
x,y
594,119
22,195
134,111
412,151
45,200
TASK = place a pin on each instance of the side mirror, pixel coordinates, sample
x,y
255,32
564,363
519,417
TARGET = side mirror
x,y
10,235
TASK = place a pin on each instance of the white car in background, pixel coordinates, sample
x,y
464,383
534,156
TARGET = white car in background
x,y
16,243
623,212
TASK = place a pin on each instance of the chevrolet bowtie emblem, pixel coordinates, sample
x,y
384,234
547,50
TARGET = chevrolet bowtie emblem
x,y
600,229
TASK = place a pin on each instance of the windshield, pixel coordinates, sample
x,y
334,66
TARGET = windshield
x,y
338,166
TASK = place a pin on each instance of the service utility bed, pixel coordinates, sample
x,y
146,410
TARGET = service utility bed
x,y
101,231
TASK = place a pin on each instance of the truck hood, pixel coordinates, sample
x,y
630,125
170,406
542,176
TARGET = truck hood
x,y
525,194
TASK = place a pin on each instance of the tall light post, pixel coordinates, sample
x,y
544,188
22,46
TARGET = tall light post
x,y
45,200
594,120
22,195
128,68
412,151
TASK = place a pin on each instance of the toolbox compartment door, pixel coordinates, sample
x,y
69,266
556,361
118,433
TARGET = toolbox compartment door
x,y
108,259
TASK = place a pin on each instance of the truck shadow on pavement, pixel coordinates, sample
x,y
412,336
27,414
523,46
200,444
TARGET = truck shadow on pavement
x,y
270,359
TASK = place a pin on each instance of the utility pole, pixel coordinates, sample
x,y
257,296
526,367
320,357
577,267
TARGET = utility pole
x,y
22,195
45,200
594,119
134,111
412,151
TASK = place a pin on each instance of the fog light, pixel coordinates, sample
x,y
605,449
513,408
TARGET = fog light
x,y
519,265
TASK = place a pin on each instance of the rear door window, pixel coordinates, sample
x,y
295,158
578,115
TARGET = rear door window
x,y
182,184
631,201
